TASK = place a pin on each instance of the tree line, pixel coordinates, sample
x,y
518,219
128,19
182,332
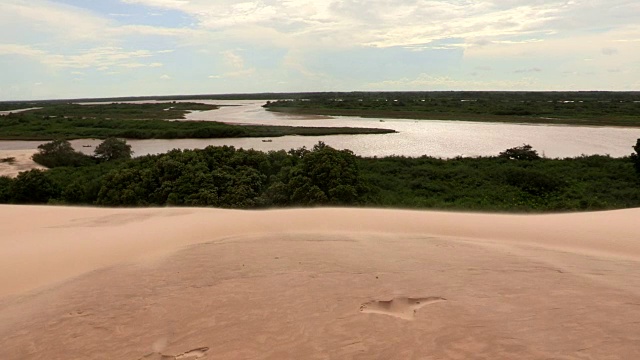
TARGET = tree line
x,y
517,179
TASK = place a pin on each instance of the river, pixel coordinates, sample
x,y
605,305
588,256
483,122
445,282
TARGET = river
x,y
436,138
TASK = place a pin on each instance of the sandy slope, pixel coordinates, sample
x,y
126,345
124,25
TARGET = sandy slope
x,y
317,284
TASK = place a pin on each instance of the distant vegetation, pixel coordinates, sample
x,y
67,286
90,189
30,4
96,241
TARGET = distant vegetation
x,y
140,121
574,108
516,180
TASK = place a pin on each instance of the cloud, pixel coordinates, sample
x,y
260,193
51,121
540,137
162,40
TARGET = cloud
x,y
18,49
101,58
165,77
530,70
52,23
320,44
236,62
427,82
146,30
132,65
233,59
379,23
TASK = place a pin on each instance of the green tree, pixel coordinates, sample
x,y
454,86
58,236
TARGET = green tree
x,y
326,175
113,149
5,189
126,187
58,153
636,157
33,187
524,152
534,182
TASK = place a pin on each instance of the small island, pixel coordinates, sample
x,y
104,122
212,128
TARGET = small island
x,y
583,108
140,121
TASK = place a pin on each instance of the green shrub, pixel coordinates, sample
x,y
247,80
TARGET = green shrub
x,y
524,152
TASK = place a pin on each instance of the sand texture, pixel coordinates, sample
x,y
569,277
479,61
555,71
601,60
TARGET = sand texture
x,y
22,162
169,284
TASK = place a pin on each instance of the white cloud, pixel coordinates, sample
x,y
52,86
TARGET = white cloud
x,y
282,40
165,77
51,19
132,65
101,58
430,82
236,63
529,70
17,49
233,59
380,23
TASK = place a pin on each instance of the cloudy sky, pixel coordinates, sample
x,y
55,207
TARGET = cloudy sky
x,y
98,48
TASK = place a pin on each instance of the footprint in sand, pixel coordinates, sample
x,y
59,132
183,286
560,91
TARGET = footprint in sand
x,y
402,307
194,354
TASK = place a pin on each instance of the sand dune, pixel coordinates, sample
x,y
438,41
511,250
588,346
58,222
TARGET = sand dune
x,y
86,283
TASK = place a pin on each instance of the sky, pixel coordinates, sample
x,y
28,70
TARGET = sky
x,y
53,49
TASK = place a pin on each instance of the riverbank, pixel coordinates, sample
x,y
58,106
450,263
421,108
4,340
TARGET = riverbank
x,y
627,122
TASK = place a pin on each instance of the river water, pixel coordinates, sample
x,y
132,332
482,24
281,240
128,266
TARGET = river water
x,y
438,138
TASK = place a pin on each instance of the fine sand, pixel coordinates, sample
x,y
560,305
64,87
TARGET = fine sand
x,y
22,162
169,284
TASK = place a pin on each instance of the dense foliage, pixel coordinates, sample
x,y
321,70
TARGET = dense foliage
x,y
214,176
499,184
579,108
59,153
236,178
113,149
636,156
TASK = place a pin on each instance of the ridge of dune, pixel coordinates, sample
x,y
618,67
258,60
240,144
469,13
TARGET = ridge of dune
x,y
41,244
184,283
